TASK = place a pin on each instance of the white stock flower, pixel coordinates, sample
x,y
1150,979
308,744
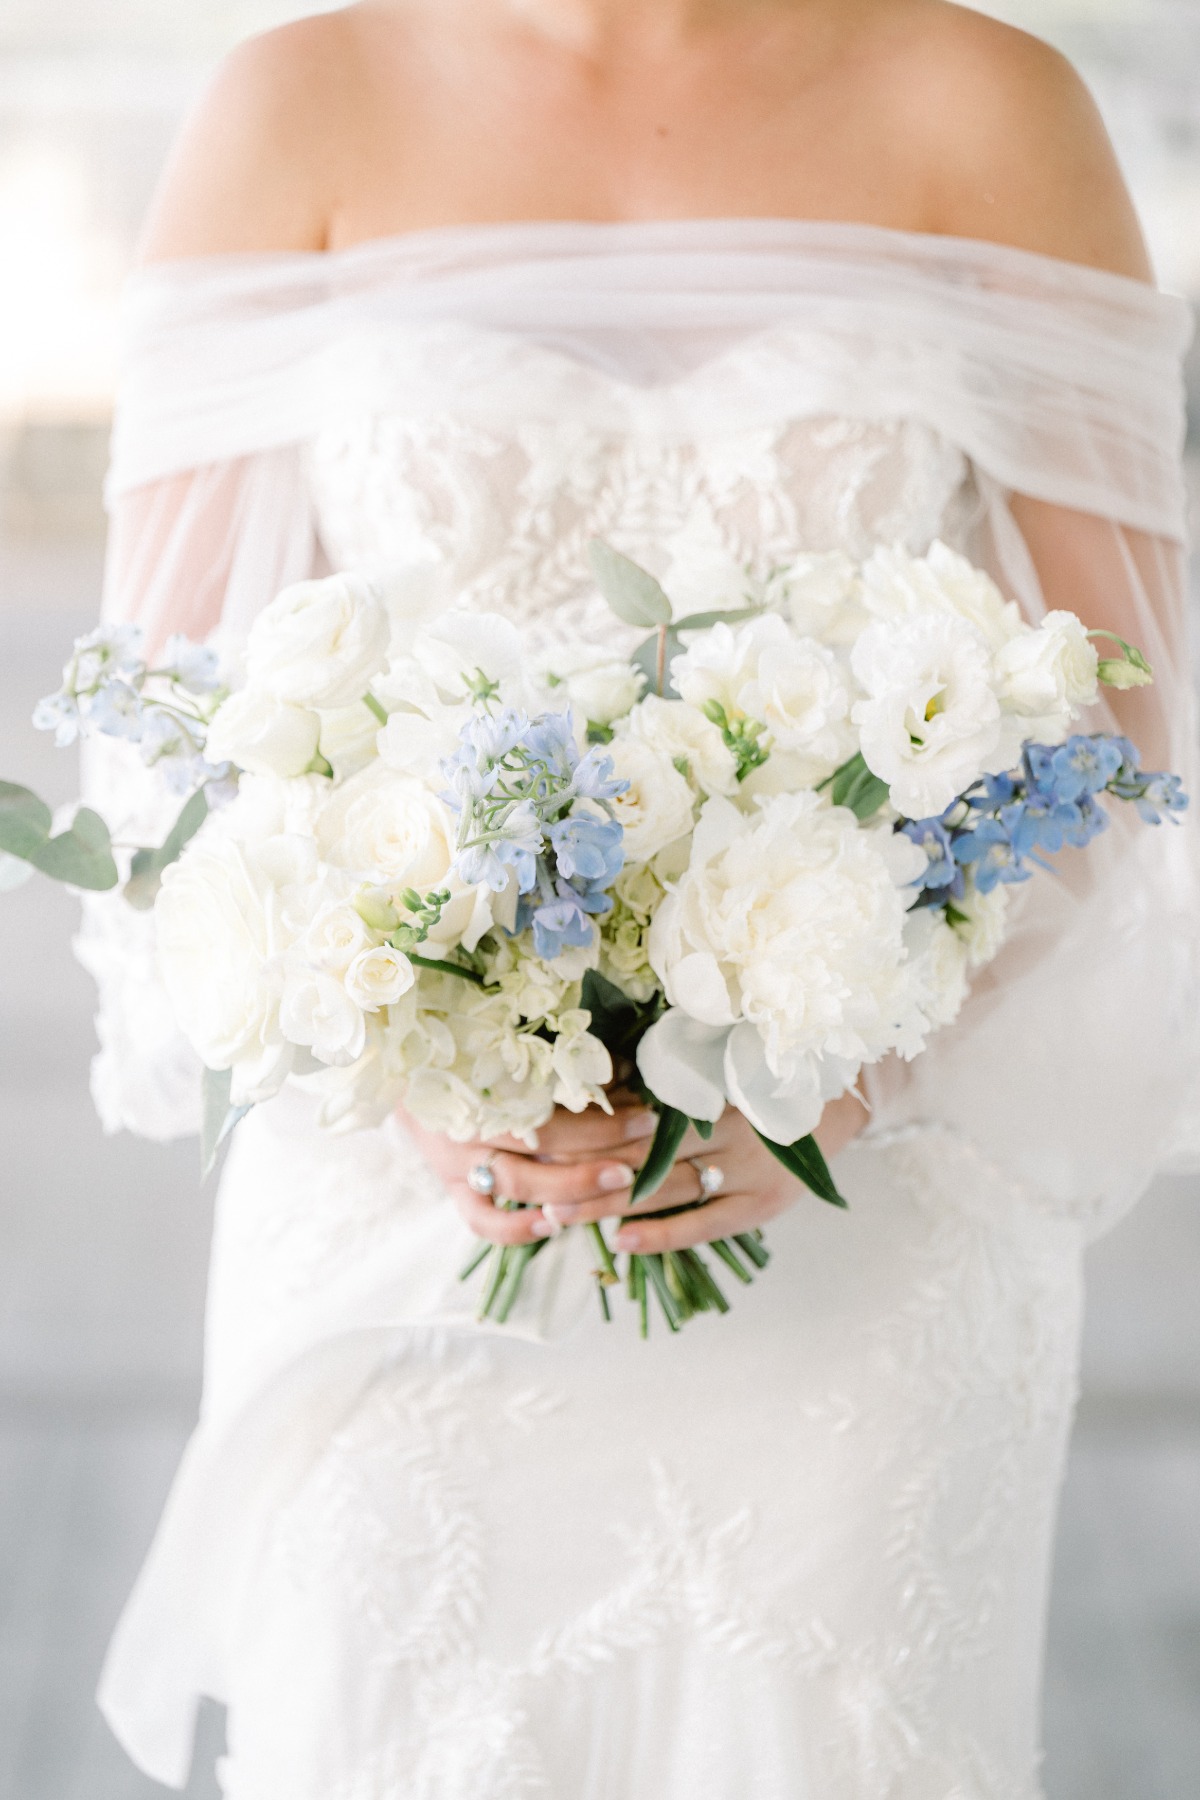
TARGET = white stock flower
x,y
1049,674
315,1011
657,806
600,685
930,724
320,643
260,732
899,586
685,736
379,977
782,954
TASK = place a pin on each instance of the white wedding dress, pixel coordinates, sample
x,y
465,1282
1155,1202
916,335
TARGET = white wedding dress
x,y
801,1552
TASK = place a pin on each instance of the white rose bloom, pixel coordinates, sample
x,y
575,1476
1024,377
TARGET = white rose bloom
x,y
601,687
982,922
379,977
316,1012
898,586
657,806
320,643
219,939
1049,674
347,741
782,953
685,736
931,723
389,830
264,734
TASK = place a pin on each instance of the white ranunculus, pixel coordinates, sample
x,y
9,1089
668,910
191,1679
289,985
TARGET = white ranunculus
x,y
930,724
219,939
600,685
316,1011
687,738
262,733
898,586
1049,674
784,946
379,977
320,643
389,830
657,806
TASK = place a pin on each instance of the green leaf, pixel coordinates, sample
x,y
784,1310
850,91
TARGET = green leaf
x,y
145,875
446,968
217,1117
704,621
645,658
81,855
630,590
854,786
660,1158
804,1160
24,821
619,1022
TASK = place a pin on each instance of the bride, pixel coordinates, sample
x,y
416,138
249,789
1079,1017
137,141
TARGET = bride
x,y
442,289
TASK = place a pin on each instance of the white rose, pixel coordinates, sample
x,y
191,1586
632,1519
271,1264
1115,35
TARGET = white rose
x,y
320,643
657,806
686,737
348,738
316,1011
601,687
379,977
218,938
795,686
335,935
388,829
931,723
898,586
264,734
1049,674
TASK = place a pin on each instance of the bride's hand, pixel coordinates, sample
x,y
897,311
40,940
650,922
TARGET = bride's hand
x,y
585,1164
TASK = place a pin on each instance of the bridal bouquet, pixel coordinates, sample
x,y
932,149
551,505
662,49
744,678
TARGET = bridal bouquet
x,y
433,868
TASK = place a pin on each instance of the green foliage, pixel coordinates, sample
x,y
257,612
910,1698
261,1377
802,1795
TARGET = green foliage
x,y
81,855
218,1116
631,591
804,1160
853,785
146,870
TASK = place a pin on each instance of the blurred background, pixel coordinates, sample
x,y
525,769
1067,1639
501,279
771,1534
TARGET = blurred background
x,y
103,1242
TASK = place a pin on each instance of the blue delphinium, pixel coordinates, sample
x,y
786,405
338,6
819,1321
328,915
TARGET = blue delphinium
x,y
529,803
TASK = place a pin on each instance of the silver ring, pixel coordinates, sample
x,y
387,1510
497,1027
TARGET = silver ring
x,y
481,1179
711,1177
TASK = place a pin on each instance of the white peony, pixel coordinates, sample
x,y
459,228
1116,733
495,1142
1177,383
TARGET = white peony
x,y
930,724
320,643
263,734
316,1012
600,686
898,586
782,954
379,977
682,734
1049,675
657,806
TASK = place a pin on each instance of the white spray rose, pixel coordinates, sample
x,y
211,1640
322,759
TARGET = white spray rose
x,y
1049,674
264,734
335,935
898,586
600,686
687,738
315,1011
320,643
379,977
657,806
931,723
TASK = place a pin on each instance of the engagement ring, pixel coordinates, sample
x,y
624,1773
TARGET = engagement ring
x,y
482,1179
710,1176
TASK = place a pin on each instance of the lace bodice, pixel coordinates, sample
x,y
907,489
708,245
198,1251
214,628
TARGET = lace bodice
x,y
501,518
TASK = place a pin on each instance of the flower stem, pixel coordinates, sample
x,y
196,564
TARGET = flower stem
x,y
607,1272
372,705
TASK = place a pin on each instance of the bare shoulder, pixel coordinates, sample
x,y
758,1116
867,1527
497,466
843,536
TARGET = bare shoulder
x,y
1018,152
254,164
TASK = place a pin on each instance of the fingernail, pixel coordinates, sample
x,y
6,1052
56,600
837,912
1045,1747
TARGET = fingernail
x,y
627,1240
553,1220
616,1175
542,1227
640,1124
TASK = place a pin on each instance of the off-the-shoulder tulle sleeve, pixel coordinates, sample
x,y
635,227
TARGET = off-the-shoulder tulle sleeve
x,y
1061,385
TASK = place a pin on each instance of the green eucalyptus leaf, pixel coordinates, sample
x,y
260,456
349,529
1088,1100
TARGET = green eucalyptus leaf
x,y
804,1160
217,1115
146,870
81,855
704,621
645,658
660,1158
24,821
854,786
631,591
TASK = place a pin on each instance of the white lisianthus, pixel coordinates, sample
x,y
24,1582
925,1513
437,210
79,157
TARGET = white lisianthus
x,y
931,723
898,586
1049,674
795,687
379,977
600,686
320,643
315,1011
981,921
461,650
264,734
688,739
657,806
782,953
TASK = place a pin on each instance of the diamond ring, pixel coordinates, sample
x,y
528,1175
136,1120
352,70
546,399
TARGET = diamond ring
x,y
711,1177
481,1179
